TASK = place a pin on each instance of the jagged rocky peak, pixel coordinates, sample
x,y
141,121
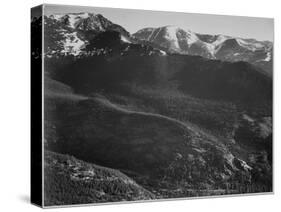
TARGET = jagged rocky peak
x,y
83,21
88,23
90,34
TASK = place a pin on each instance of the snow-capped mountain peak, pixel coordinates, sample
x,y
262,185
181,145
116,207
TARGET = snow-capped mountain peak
x,y
83,21
71,19
89,34
223,47
172,37
71,34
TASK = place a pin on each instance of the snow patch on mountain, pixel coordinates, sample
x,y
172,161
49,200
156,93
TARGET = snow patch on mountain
x,y
163,53
125,39
149,37
72,44
191,37
220,39
251,45
84,15
176,35
211,48
171,34
218,42
268,57
72,18
157,32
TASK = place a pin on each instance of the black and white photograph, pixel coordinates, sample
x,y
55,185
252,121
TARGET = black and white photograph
x,y
143,105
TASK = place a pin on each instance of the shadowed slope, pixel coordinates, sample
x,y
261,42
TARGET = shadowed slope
x,y
71,181
152,145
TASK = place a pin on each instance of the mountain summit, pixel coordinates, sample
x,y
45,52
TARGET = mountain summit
x,y
222,47
175,39
76,34
87,22
83,33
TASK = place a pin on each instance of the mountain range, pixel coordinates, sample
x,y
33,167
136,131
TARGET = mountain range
x,y
210,46
220,47
73,33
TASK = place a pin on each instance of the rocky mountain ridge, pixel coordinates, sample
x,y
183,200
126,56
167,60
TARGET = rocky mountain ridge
x,y
222,47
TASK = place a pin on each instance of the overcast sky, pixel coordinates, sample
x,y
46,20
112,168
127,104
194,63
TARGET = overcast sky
x,y
133,20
